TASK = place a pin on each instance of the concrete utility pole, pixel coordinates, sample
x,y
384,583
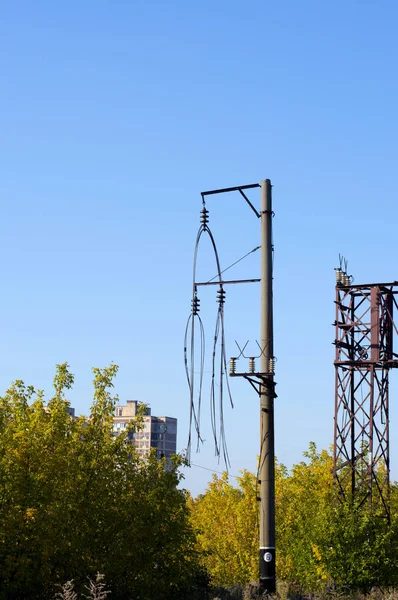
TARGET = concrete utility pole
x,y
267,450
262,380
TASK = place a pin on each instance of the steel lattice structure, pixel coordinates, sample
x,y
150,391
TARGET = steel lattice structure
x,y
365,332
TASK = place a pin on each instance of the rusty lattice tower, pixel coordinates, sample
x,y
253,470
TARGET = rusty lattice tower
x,y
365,332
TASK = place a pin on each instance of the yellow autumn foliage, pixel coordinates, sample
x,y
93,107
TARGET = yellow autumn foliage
x,y
319,540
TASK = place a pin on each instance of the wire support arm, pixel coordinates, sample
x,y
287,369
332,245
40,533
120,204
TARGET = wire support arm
x,y
227,282
237,188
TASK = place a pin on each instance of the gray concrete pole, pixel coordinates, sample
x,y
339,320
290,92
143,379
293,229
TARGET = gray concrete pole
x,y
267,452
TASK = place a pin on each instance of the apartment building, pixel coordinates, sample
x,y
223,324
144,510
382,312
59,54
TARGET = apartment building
x,y
158,432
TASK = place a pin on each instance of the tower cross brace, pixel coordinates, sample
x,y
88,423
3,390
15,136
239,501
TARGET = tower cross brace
x,y
364,339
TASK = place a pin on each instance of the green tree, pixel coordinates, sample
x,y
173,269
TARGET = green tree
x,y
75,500
323,541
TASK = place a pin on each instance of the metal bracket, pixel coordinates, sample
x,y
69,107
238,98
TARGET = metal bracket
x,y
238,188
253,379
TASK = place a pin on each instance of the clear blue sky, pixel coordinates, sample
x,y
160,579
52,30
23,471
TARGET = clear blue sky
x,y
115,115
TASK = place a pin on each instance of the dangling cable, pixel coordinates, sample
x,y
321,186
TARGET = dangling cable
x,y
194,414
213,410
224,358
201,373
223,371
219,334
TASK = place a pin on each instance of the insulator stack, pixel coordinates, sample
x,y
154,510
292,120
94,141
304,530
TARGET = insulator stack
x,y
232,366
195,305
271,365
221,295
346,279
204,216
342,278
252,365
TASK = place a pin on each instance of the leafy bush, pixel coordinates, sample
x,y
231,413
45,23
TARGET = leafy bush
x,y
75,501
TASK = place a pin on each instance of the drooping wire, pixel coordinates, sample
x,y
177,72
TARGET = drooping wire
x,y
213,414
219,342
223,371
194,416
219,433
